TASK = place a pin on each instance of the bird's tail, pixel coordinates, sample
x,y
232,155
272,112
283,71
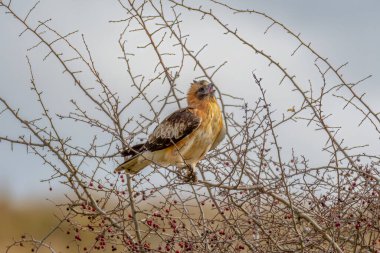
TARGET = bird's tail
x,y
134,164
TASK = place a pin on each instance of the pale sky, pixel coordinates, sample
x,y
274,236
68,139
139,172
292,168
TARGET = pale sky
x,y
341,30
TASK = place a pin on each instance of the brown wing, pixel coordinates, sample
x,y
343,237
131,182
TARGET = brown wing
x,y
136,149
170,131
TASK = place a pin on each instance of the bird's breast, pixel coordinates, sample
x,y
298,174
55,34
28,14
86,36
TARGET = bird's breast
x,y
193,148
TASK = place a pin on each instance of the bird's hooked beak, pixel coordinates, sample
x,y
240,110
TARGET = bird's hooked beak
x,y
207,90
204,89
210,89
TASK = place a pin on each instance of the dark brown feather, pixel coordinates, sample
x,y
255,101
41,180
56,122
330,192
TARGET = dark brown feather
x,y
136,149
170,131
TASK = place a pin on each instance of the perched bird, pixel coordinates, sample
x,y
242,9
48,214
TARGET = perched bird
x,y
184,137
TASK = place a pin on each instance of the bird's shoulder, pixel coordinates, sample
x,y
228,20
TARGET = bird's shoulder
x,y
181,119
173,128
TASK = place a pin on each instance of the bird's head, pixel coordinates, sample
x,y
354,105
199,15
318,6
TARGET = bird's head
x,y
199,92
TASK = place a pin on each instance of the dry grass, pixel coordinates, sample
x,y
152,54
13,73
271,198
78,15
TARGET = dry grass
x,y
24,220
38,219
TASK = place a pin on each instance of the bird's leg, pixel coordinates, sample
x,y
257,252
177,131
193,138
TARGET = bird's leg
x,y
190,175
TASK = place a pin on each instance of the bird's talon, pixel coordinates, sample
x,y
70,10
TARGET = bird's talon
x,y
190,176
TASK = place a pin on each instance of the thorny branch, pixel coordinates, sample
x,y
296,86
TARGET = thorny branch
x,y
253,196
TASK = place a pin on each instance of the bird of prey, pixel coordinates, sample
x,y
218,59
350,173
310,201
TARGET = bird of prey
x,y
184,137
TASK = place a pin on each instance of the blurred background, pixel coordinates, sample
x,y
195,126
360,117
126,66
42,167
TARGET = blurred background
x,y
343,30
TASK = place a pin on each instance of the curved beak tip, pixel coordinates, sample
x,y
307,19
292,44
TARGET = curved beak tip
x,y
211,88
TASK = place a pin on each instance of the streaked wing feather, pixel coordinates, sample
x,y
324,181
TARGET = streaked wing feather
x,y
173,129
136,149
